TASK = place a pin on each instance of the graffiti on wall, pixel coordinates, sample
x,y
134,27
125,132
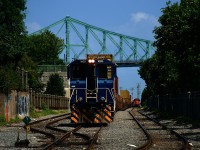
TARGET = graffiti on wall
x,y
7,112
23,105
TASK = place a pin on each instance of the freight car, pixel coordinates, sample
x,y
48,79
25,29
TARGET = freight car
x,y
93,87
136,102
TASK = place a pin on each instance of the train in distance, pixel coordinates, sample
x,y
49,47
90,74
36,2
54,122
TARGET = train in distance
x,y
136,102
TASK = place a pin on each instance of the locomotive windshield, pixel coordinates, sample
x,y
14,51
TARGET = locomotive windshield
x,y
78,71
105,71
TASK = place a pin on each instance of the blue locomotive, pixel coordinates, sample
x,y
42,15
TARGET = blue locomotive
x,y
93,88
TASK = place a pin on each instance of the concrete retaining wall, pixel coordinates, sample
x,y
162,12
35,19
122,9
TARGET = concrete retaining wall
x,y
14,104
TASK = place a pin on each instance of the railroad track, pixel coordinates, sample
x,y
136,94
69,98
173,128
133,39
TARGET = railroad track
x,y
44,132
158,135
84,138
60,134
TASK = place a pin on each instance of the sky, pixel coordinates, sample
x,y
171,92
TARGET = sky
x,y
135,18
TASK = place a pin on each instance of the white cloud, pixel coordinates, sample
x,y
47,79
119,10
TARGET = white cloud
x,y
139,25
141,16
33,26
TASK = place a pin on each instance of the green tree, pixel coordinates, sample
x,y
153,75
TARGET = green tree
x,y
12,33
9,79
44,48
33,74
55,85
175,64
179,35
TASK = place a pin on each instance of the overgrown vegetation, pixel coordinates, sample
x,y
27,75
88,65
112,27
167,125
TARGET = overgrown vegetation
x,y
174,67
3,120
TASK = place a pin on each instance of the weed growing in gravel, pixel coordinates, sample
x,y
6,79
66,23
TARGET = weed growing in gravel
x,y
16,119
2,120
12,120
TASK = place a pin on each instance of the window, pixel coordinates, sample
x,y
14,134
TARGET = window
x,y
78,71
105,71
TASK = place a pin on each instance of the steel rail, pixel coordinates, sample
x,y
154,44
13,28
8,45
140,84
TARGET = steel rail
x,y
66,135
186,142
53,137
149,142
94,139
57,116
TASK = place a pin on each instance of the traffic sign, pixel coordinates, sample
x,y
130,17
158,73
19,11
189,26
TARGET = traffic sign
x,y
26,120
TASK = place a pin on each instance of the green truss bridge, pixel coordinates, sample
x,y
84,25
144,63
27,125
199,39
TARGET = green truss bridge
x,y
82,38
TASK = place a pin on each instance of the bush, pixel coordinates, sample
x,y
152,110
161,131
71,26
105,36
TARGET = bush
x,y
55,85
44,107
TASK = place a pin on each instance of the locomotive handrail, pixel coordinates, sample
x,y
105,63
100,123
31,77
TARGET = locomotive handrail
x,y
72,94
74,90
109,92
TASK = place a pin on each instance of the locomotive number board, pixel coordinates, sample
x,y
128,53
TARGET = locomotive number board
x,y
99,56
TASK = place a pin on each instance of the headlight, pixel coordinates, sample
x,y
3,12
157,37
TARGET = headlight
x,y
80,99
91,60
103,99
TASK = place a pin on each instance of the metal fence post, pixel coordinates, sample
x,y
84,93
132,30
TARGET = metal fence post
x,y
158,102
189,104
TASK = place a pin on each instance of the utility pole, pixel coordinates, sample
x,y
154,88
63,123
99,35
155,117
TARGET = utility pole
x,y
138,90
132,89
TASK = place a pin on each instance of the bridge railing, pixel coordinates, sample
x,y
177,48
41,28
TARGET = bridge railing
x,y
130,63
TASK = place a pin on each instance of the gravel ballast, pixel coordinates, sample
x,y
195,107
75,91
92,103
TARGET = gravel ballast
x,y
123,133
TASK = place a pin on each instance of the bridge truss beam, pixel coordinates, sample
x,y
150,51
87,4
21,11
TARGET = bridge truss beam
x,y
82,38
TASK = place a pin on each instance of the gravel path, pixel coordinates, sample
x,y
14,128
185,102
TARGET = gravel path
x,y
121,134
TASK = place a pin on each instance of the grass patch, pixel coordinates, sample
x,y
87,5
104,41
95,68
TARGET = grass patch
x,y
12,120
36,113
17,119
